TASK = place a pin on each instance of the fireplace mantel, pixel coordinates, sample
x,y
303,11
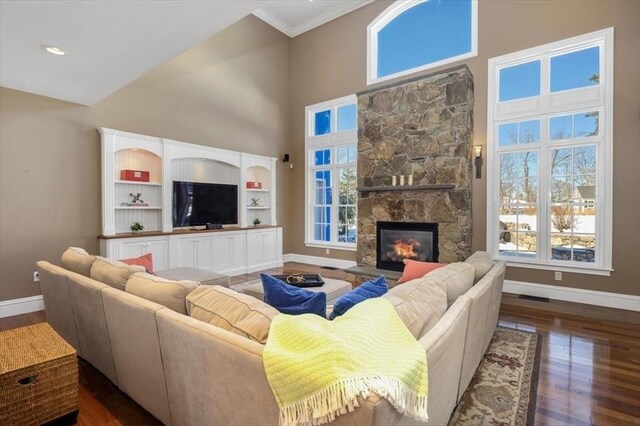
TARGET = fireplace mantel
x,y
437,186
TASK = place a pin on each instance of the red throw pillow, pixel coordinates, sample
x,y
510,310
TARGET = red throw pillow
x,y
145,260
414,269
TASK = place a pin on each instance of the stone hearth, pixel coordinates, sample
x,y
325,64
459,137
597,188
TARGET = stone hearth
x,y
422,127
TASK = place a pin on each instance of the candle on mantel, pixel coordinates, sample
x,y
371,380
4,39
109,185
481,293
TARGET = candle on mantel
x,y
401,180
393,181
410,180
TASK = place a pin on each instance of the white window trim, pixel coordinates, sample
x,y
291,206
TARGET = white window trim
x,y
333,139
388,15
603,38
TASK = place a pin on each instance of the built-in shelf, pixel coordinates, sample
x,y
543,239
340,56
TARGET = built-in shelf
x,y
138,208
257,190
132,182
257,208
407,187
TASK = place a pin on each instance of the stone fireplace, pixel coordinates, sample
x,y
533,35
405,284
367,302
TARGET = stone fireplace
x,y
397,241
421,127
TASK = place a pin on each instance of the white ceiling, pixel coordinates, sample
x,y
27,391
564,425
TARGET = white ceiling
x,y
294,17
109,43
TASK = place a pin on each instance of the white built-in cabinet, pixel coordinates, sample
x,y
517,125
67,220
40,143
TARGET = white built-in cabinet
x,y
234,250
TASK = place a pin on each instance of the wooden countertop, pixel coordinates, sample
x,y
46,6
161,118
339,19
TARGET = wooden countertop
x,y
182,232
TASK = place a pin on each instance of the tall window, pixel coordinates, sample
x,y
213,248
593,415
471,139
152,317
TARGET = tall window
x,y
550,142
331,136
415,35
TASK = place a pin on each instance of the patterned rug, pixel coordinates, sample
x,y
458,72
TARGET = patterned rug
x,y
503,390
240,287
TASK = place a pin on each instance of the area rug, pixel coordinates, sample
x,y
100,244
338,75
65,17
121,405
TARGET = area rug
x,y
503,390
241,286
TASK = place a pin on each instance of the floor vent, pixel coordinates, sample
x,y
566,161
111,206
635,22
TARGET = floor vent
x,y
534,298
331,268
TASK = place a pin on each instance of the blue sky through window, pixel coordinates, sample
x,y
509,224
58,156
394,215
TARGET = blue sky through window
x,y
426,33
323,123
576,69
520,81
347,117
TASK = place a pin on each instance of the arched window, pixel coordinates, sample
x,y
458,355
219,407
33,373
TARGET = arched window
x,y
416,35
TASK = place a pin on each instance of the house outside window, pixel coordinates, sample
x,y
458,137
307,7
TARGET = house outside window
x,y
416,35
330,165
550,155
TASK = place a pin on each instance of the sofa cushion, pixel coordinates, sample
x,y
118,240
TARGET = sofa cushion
x,y
482,262
414,269
76,259
420,303
457,277
292,300
113,272
373,288
232,311
171,294
146,261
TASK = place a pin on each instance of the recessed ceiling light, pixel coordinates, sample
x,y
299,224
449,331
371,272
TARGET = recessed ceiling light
x,y
55,50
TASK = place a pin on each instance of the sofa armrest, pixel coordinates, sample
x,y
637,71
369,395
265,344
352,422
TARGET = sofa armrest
x,y
444,345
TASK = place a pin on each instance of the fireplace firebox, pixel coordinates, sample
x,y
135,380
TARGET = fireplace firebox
x,y
397,241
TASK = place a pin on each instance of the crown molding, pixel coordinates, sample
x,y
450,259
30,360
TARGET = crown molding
x,y
310,24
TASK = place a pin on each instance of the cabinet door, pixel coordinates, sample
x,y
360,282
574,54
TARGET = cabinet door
x,y
204,253
130,248
160,251
193,251
230,253
184,252
262,249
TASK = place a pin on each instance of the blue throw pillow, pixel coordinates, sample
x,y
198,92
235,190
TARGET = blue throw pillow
x,y
292,300
372,288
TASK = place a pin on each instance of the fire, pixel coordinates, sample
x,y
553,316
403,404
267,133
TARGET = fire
x,y
406,249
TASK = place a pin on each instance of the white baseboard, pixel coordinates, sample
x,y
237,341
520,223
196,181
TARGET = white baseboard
x,y
9,308
319,261
576,295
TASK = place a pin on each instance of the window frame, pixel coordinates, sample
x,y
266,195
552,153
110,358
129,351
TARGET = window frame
x,y
332,140
388,15
544,106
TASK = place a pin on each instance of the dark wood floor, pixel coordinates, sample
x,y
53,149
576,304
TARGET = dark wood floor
x,y
589,371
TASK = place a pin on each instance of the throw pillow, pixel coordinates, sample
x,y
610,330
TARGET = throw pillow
x,y
414,269
420,303
171,294
368,290
457,277
482,262
236,312
146,261
292,300
76,259
113,273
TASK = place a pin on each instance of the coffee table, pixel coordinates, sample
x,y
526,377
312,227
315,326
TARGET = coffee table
x,y
332,287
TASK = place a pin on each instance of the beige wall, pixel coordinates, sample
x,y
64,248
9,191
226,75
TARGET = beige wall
x,y
246,89
231,91
329,62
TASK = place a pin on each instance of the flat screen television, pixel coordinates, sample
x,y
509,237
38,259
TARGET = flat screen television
x,y
196,204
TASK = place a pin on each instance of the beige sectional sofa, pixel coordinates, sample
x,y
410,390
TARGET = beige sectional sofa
x,y
189,372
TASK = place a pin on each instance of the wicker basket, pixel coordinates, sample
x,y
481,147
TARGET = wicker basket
x,y
38,376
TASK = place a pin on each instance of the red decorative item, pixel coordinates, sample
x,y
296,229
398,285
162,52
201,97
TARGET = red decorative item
x,y
134,175
254,185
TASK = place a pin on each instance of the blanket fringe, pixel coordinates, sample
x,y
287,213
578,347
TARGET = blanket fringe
x,y
342,397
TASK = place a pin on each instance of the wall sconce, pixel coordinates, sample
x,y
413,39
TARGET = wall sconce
x,y
285,159
478,152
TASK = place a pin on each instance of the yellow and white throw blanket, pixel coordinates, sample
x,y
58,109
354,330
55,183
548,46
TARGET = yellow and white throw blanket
x,y
318,368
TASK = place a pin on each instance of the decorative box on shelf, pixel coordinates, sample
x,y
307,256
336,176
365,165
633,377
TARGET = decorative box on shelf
x,y
254,185
134,175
